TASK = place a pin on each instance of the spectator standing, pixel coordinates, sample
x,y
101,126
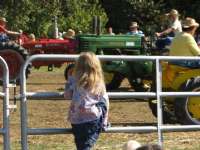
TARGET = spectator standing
x,y
88,111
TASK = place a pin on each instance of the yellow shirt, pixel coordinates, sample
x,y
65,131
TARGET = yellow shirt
x,y
184,44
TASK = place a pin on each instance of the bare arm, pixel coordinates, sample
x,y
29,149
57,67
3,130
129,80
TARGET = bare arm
x,y
12,33
165,32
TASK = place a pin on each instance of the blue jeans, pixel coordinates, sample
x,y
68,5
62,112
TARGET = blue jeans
x,y
86,134
161,43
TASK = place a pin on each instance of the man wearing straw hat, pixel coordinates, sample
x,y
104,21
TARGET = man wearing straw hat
x,y
134,29
3,29
184,43
174,28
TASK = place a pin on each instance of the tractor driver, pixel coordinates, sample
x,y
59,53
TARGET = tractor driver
x,y
174,28
3,29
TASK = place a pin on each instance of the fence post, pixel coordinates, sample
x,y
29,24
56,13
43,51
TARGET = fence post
x,y
6,112
159,100
23,106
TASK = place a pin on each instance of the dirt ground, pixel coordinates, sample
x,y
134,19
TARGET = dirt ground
x,y
52,114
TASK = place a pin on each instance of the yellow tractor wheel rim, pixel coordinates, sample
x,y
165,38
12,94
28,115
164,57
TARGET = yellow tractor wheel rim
x,y
193,105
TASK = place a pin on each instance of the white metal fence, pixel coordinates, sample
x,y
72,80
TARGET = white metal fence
x,y
5,95
159,128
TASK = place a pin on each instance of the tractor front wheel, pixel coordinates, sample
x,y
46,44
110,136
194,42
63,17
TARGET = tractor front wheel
x,y
15,57
187,109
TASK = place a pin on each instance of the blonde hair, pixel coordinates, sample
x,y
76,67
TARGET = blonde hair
x,y
89,74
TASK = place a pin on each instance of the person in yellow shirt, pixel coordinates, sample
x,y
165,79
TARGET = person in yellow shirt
x,y
184,43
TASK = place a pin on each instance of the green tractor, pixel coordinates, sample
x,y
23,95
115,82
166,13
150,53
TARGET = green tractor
x,y
141,75
115,71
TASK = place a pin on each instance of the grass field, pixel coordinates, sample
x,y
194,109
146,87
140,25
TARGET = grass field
x,y
53,114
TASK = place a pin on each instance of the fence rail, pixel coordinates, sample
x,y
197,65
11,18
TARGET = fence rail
x,y
159,128
5,95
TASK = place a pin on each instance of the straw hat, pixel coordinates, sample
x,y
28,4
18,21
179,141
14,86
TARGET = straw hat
x,y
173,12
189,22
3,19
133,25
69,34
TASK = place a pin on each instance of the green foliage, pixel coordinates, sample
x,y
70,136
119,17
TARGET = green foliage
x,y
35,16
122,12
80,16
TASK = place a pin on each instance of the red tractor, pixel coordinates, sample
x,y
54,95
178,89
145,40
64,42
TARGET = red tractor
x,y
15,54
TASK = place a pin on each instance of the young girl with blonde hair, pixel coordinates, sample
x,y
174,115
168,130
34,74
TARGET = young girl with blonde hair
x,y
88,112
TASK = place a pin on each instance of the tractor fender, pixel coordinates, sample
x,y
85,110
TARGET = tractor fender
x,y
174,76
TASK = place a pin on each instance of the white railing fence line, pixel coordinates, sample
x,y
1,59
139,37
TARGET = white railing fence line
x,y
25,131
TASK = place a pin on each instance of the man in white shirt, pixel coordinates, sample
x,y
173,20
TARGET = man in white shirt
x,y
174,28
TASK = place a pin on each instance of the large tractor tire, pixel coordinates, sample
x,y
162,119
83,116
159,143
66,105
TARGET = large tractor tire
x,y
187,109
15,56
168,115
113,80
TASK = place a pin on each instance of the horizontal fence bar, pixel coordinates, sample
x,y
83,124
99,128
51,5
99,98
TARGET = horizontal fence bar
x,y
135,129
180,128
179,94
109,57
59,95
53,95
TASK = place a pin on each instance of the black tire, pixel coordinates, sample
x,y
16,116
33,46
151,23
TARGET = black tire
x,y
115,82
182,112
70,66
168,116
15,56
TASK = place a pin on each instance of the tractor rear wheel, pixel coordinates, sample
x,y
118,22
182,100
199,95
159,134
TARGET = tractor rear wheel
x,y
187,109
113,80
15,56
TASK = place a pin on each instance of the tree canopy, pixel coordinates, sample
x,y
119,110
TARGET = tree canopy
x,y
35,16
